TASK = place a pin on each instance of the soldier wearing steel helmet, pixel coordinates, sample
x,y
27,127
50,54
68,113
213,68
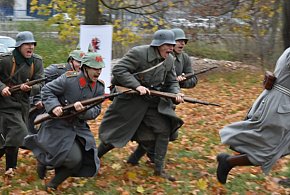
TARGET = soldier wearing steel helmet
x,y
183,65
16,68
68,145
148,120
52,72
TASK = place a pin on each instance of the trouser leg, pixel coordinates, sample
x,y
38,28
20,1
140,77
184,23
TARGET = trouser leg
x,y
11,157
71,165
136,155
104,148
227,162
2,152
161,145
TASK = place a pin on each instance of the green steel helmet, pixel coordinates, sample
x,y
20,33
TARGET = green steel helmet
x,y
24,37
179,34
161,37
76,55
93,60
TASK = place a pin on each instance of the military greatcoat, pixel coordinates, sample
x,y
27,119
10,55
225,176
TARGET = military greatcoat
x,y
265,135
183,65
14,109
125,114
55,138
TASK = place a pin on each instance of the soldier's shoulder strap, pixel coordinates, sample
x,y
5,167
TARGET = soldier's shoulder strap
x,y
61,66
37,56
69,74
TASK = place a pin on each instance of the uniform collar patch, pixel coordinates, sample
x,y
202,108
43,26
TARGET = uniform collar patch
x,y
83,82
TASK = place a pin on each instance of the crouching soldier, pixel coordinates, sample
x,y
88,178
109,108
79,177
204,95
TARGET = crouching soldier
x,y
67,144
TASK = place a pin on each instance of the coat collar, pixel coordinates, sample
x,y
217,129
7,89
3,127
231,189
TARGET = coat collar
x,y
153,54
83,81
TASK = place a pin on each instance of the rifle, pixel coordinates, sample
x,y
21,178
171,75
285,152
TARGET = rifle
x,y
89,103
169,95
30,83
190,75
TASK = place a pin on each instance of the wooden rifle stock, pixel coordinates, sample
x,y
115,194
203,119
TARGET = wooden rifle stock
x,y
89,102
29,83
169,95
190,75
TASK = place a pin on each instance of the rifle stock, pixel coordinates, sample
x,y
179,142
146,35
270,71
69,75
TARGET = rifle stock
x,y
29,83
169,95
89,102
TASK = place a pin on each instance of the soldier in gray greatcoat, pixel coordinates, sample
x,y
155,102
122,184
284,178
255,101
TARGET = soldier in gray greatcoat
x,y
67,144
264,137
183,65
16,68
143,68
52,72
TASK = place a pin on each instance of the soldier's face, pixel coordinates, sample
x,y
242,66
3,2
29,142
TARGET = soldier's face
x,y
178,48
165,50
93,73
26,49
76,65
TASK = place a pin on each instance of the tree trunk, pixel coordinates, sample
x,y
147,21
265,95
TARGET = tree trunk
x,y
286,24
92,13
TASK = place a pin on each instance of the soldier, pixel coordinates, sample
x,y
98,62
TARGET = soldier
x,y
183,65
68,145
16,68
142,68
264,137
73,64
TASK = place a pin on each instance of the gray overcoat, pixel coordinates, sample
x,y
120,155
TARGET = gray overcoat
x,y
183,65
265,135
124,115
54,140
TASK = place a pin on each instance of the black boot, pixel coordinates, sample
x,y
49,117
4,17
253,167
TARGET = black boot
x,y
227,162
136,155
223,168
103,149
41,170
159,168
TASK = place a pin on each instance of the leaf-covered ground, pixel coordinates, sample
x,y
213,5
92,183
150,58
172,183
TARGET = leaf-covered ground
x,y
191,159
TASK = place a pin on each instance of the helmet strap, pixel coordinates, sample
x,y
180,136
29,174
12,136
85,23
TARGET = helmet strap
x,y
86,73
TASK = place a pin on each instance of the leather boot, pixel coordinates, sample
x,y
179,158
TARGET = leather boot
x,y
41,170
136,155
159,168
227,162
103,149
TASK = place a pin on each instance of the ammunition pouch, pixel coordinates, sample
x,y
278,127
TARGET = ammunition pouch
x,y
269,80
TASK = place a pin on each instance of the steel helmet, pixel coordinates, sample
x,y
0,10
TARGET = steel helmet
x,y
179,34
161,37
76,55
24,37
93,60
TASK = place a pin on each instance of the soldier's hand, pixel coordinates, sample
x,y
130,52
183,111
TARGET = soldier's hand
x,y
5,92
143,90
179,98
78,106
57,111
25,88
39,105
181,77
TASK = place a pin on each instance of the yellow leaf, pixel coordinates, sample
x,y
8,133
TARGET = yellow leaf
x,y
140,189
132,175
201,184
116,166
